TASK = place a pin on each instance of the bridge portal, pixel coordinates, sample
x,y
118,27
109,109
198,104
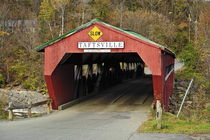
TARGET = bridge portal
x,y
96,55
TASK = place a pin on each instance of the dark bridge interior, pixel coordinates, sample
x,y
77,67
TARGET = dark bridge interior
x,y
96,72
93,58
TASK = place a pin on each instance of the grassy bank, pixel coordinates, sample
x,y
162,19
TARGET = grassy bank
x,y
174,125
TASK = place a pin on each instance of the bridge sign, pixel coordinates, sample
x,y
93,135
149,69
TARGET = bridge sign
x,y
95,33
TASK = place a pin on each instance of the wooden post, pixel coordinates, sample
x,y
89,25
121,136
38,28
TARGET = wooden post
x,y
49,107
29,109
158,114
10,117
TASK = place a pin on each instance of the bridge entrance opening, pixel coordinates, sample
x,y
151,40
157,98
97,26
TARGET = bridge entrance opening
x,y
119,75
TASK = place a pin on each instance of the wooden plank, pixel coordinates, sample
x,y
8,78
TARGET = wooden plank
x,y
26,106
40,103
18,107
11,107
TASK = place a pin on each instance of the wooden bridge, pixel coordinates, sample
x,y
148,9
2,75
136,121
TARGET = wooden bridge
x,y
97,55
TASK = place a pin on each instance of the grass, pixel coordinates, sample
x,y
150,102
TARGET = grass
x,y
3,103
172,124
3,113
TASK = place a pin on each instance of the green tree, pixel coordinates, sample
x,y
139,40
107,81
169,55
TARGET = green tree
x,y
46,14
101,9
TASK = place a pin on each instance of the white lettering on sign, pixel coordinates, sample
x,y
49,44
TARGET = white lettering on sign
x,y
100,45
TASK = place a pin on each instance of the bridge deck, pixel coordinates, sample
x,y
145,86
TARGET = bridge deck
x,y
127,96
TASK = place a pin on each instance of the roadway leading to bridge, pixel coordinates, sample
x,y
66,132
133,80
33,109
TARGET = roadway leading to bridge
x,y
115,114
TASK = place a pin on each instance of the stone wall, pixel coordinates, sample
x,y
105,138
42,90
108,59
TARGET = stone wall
x,y
21,97
180,88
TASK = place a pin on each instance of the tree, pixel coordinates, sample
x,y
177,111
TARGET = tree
x,y
101,9
84,11
60,6
151,25
3,33
46,13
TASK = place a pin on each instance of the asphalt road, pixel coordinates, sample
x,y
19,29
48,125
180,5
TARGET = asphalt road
x,y
115,114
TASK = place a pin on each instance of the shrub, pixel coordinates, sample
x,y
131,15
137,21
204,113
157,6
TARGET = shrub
x,y
20,70
3,103
191,56
2,82
31,83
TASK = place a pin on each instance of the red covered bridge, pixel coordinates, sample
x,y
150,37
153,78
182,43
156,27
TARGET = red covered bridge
x,y
103,48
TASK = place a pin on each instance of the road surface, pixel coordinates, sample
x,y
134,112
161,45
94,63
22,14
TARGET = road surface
x,y
115,114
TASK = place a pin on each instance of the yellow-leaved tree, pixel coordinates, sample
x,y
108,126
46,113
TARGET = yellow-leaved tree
x,y
3,33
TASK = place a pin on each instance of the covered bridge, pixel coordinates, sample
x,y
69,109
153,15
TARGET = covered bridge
x,y
105,46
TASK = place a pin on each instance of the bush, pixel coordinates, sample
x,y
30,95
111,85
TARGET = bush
x,y
190,56
34,83
194,65
20,70
31,83
3,113
3,103
2,82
